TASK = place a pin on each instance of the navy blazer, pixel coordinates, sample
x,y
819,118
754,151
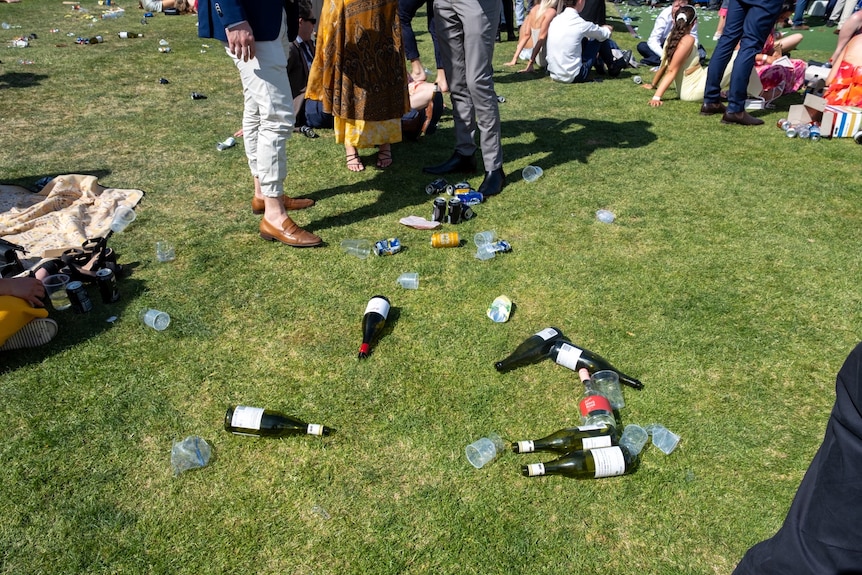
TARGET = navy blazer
x,y
264,17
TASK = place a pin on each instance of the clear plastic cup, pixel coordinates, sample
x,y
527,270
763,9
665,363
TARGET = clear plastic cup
x,y
605,216
409,280
123,216
634,438
486,237
531,173
663,438
165,251
55,287
483,451
359,248
158,320
485,252
608,383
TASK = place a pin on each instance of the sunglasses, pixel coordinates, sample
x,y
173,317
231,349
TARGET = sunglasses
x,y
311,20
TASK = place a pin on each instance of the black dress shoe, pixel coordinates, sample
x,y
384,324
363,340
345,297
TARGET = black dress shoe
x,y
708,109
457,163
493,183
742,118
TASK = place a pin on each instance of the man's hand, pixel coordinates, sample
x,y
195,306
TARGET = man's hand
x,y
240,41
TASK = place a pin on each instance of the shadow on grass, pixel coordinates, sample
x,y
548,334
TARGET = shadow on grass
x,y
20,80
29,182
402,185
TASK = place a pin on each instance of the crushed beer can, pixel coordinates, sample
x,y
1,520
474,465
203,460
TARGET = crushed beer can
x,y
387,247
438,186
471,198
459,188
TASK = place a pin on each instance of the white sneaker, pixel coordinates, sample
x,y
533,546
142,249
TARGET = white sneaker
x,y
38,332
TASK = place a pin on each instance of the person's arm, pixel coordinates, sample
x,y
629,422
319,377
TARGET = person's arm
x,y
542,39
30,290
524,36
676,63
662,26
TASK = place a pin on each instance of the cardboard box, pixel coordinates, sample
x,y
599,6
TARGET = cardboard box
x,y
811,110
844,121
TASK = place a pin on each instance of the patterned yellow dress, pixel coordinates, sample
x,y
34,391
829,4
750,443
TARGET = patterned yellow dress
x,y
359,71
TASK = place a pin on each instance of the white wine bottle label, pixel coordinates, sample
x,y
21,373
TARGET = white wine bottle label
x,y
596,442
314,429
525,446
609,461
568,356
590,427
246,417
378,305
548,333
535,469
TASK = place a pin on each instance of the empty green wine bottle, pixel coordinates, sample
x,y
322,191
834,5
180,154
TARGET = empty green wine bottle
x,y
594,406
570,439
534,348
573,357
596,463
259,422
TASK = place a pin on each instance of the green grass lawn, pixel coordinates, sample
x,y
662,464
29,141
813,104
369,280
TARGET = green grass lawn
x,y
728,284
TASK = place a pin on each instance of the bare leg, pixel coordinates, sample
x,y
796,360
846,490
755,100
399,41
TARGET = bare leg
x,y
354,164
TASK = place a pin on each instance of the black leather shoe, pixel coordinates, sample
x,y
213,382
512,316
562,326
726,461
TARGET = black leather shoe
x,y
457,163
742,118
493,183
708,109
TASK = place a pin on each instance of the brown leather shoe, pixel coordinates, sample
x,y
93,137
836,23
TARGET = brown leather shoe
x,y
290,234
289,204
708,109
742,118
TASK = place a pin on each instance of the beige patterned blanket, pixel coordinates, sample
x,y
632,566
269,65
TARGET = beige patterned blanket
x,y
68,210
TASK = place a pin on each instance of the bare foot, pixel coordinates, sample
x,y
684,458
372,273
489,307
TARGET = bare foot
x,y
354,164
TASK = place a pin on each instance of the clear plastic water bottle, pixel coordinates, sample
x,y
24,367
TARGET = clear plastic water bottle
x,y
803,132
814,133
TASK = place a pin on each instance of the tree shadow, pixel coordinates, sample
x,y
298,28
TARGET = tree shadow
x,y
402,185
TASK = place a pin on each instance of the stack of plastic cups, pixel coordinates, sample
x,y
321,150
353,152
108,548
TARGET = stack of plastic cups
x,y
485,244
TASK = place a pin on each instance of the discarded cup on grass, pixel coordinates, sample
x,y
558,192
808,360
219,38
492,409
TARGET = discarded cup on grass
x,y
158,320
409,280
605,216
123,216
190,453
531,173
608,382
229,143
165,251
358,248
637,80
486,237
663,438
485,450
634,438
500,309
486,252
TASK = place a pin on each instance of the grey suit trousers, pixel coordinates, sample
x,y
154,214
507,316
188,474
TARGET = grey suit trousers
x,y
466,30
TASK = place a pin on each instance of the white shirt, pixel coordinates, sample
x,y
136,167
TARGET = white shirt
x,y
565,33
662,28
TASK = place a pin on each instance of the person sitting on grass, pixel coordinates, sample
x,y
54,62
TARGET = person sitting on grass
x,y
181,6
844,83
680,64
24,321
778,79
534,35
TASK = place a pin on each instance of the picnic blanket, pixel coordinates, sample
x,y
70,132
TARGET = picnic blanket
x,y
67,211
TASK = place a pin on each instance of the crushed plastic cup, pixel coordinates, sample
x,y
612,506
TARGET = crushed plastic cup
x,y
190,453
531,173
605,216
230,142
359,248
500,309
158,320
483,451
486,237
123,216
663,438
165,251
409,280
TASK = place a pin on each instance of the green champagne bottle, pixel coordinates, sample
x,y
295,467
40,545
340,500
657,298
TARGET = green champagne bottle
x,y
534,348
596,463
259,422
573,357
570,439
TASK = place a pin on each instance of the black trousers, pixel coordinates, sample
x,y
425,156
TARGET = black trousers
x,y
822,534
